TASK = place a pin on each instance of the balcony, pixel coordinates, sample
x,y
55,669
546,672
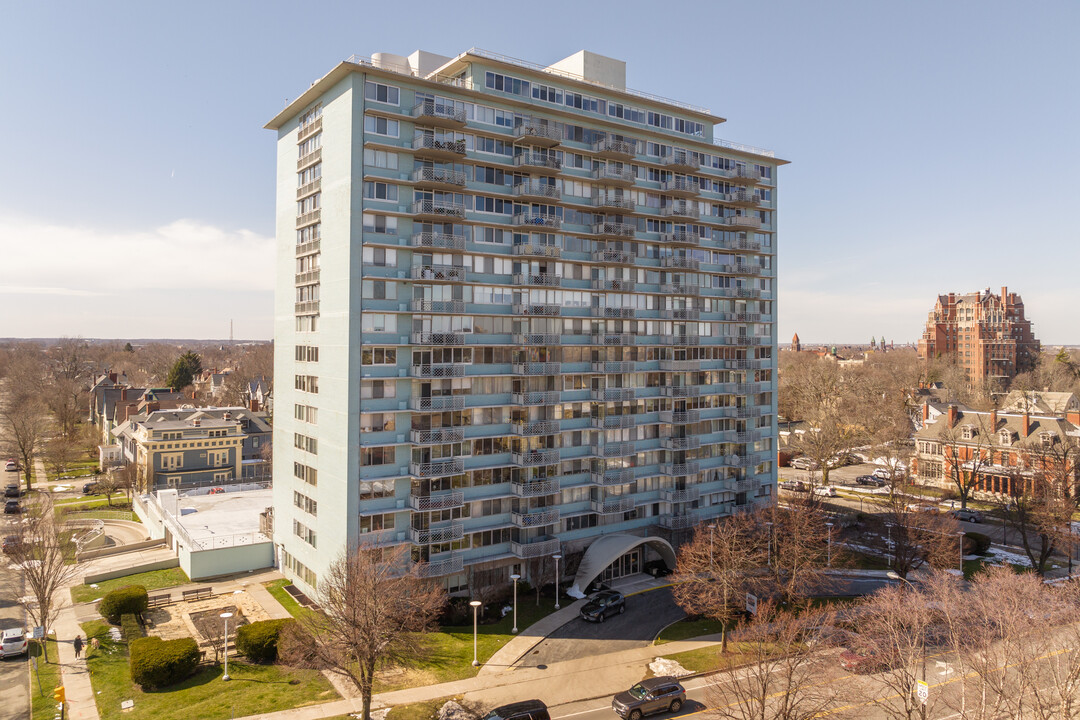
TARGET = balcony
x,y
535,488
742,222
438,338
618,285
614,229
437,306
612,422
306,131
535,397
441,370
437,535
530,249
680,365
614,257
453,565
743,176
619,476
680,340
537,309
615,312
614,449
538,163
613,202
536,549
681,209
309,189
611,506
538,427
307,307
741,244
537,338
682,162
741,198
751,388
741,269
681,237
310,159
448,466
540,220
680,314
677,522
615,394
538,368
623,177
745,485
437,436
681,391
681,443
539,134
433,148
680,417
438,403
308,247
672,495
679,469
614,366
539,279
613,339
308,218
615,149
674,289
308,277
439,241
435,178
748,317
437,114
538,518
679,187
534,190
439,273
438,210
435,503
680,262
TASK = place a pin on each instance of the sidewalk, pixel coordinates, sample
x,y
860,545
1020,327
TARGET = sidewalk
x,y
75,677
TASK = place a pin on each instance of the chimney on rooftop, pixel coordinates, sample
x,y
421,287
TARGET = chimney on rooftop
x,y
993,420
1027,424
952,416
112,377
925,412
123,394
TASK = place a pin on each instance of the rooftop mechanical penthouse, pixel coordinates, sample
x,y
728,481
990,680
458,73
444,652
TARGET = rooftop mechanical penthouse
x,y
522,307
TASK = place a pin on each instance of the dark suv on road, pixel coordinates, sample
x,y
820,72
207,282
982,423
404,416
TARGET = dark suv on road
x,y
652,695
602,604
12,491
524,710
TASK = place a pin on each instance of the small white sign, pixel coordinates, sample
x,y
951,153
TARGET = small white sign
x,y
38,633
127,704
922,690
751,603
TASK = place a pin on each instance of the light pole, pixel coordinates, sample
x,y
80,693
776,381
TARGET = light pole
x,y
922,639
225,616
557,557
515,577
768,561
829,563
475,606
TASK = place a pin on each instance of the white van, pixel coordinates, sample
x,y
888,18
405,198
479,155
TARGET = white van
x,y
826,491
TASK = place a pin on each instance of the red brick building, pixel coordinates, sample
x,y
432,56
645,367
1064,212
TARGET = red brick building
x,y
986,334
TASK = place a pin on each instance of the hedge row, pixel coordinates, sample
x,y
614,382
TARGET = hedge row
x,y
159,663
126,600
259,640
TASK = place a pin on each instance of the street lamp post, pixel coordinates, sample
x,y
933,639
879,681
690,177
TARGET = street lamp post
x,y
515,577
475,606
829,563
557,557
225,616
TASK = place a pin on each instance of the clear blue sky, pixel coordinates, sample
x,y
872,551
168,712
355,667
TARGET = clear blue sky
x,y
933,146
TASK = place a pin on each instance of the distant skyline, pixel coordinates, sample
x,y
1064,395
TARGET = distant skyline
x,y
138,183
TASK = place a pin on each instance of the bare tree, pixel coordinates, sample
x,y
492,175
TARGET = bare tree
x,y
969,450
60,453
780,678
109,483
375,609
918,536
126,478
796,544
27,425
45,552
541,571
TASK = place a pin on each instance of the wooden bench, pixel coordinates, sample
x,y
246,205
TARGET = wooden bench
x,y
158,600
203,593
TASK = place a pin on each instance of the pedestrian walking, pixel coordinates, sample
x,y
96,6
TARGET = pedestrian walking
x,y
78,646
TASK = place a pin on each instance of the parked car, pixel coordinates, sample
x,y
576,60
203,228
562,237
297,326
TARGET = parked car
x,y
869,480
863,661
524,710
793,485
972,516
843,459
803,463
11,543
652,695
12,491
916,507
826,491
882,474
11,465
603,604
91,488
11,507
13,642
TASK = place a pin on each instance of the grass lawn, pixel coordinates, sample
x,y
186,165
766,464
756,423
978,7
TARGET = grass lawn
x,y
153,580
860,560
79,467
119,502
421,710
710,658
253,688
105,514
686,629
277,589
42,705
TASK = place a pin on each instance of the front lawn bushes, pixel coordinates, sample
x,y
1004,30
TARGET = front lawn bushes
x,y
157,663
130,627
131,599
259,640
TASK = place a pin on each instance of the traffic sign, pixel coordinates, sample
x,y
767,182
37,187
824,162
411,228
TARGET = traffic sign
x,y
38,633
922,690
751,603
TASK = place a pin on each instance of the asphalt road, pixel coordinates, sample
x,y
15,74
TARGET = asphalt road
x,y
14,679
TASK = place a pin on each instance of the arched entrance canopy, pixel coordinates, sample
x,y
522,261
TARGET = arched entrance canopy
x,y
607,549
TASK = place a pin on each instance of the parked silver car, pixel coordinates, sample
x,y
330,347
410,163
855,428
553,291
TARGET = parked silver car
x,y
653,695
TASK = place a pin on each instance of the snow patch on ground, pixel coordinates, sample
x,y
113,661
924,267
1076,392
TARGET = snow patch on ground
x,y
999,555
663,666
452,711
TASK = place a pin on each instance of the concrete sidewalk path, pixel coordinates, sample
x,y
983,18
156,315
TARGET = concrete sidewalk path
x,y
76,678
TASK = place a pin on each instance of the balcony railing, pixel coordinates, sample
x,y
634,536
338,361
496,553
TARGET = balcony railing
x,y
677,522
681,391
538,368
614,366
530,219
308,218
310,188
741,198
614,449
614,394
537,338
613,339
537,133
681,209
433,503
680,262
438,177
449,466
528,551
437,403
306,307
431,112
438,241
537,309
612,148
437,535
677,340
619,476
614,229
681,161
539,190
437,436
438,147
308,248
681,237
740,244
679,187
611,422
439,273
684,468
536,162
535,488
680,365
437,306
749,222
614,175
615,312
672,495
680,314
614,202
743,176
439,209
680,417
610,506
618,285
437,568
538,518
536,397
539,427
682,443
539,279
438,338
614,257
441,370
306,131
308,277
310,159
674,289
537,250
